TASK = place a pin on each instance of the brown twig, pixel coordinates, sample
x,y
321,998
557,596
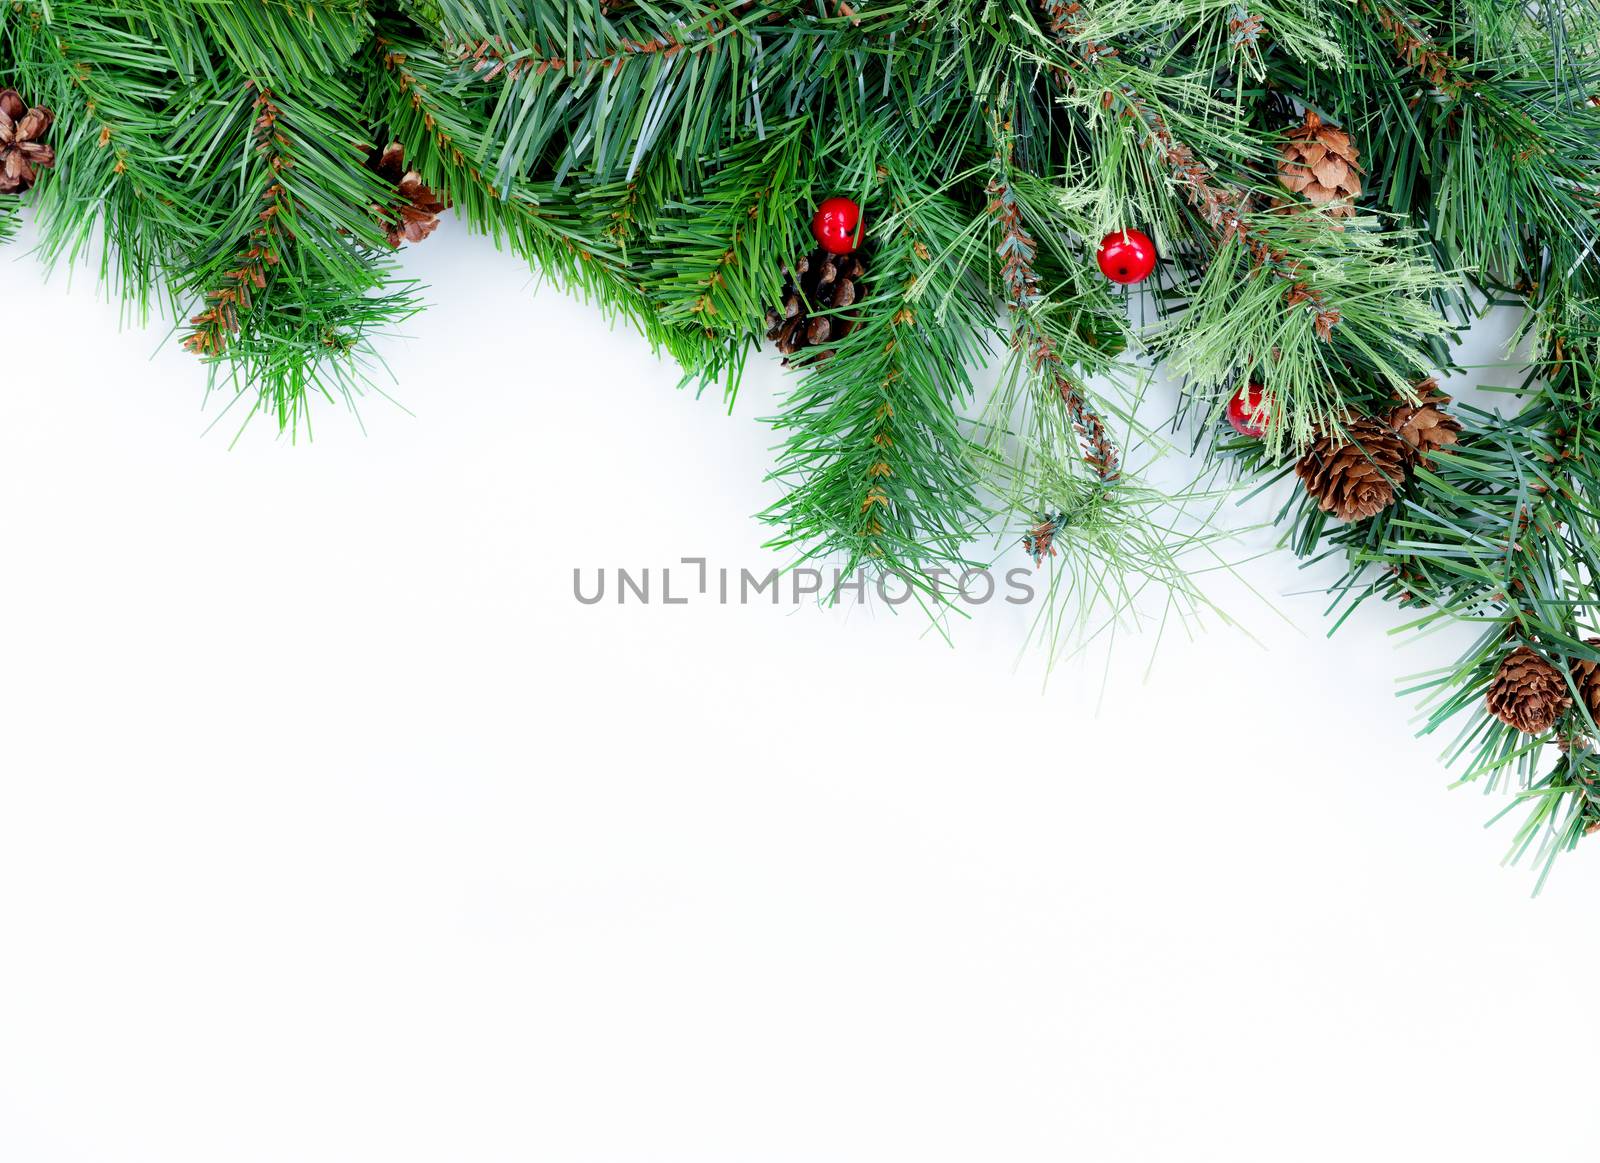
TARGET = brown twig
x,y
493,57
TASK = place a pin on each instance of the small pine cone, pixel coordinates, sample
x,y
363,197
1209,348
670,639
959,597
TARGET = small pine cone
x,y
1586,677
1355,473
1039,541
1527,692
821,282
22,152
1318,162
414,212
1425,425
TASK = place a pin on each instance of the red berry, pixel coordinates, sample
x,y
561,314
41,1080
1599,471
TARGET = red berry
x,y
837,225
1250,411
1126,256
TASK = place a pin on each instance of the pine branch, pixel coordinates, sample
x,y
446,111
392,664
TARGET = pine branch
x,y
578,89
1223,208
213,327
297,281
443,132
1502,531
1017,251
710,263
880,471
1422,55
115,86
492,57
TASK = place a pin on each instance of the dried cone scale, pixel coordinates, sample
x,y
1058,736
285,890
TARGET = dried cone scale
x,y
1527,692
821,282
1425,425
1318,162
1356,472
1586,677
414,213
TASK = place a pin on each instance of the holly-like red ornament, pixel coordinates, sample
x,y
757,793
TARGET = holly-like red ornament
x,y
1250,411
1126,256
837,225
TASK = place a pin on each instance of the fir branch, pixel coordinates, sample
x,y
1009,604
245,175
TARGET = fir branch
x,y
577,89
288,46
1235,324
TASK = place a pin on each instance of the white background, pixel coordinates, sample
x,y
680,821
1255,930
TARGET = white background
x,y
333,829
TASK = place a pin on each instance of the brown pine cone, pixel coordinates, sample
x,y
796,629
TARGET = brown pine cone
x,y
825,281
414,212
1586,677
1527,692
1355,473
1318,162
21,150
1425,425
1039,541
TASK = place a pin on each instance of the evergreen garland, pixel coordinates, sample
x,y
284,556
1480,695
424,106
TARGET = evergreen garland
x,y
1335,189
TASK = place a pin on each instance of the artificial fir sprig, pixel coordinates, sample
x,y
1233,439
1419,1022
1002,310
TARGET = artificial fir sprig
x,y
581,88
1108,541
1039,351
297,279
